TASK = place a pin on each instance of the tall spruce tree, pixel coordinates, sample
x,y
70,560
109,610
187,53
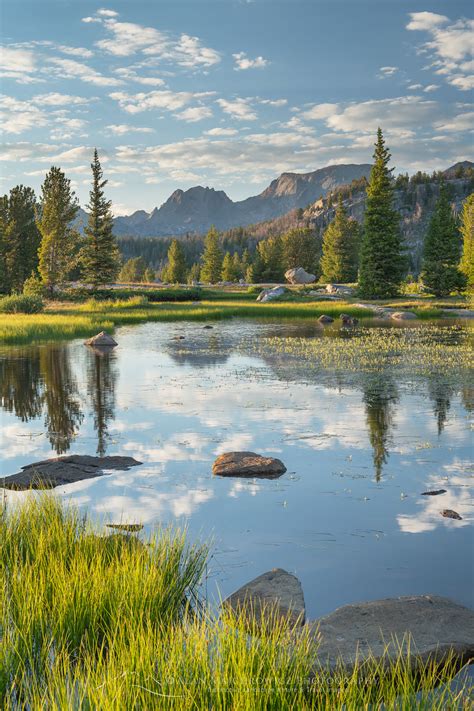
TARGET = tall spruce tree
x,y
176,269
100,257
301,248
228,270
59,240
467,231
339,260
271,254
382,262
21,238
442,249
4,281
211,269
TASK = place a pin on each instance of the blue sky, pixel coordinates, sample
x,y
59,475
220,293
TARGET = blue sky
x,y
229,93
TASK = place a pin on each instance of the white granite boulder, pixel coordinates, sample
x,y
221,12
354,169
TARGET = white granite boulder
x,y
299,276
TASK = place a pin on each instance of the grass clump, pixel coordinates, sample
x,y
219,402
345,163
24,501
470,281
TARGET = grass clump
x,y
21,304
94,305
93,622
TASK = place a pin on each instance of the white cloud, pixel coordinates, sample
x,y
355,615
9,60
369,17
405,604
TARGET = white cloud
x,y
194,113
431,87
70,69
103,12
18,64
415,87
144,101
57,99
75,51
461,122
19,116
221,132
122,129
426,21
274,102
129,74
243,62
239,109
387,71
320,111
399,115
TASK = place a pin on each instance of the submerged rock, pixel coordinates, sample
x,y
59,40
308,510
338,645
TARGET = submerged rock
x,y
435,492
276,592
298,275
270,294
428,626
349,320
403,316
59,471
449,513
102,340
325,319
248,464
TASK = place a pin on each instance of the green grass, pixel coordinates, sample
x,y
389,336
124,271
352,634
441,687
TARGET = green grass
x,y
98,623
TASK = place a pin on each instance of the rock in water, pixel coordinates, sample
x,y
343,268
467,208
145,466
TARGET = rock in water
x,y
430,626
277,592
299,276
101,339
435,492
449,513
248,464
325,319
270,294
403,316
64,470
349,320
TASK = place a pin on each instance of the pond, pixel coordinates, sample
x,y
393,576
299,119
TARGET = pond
x,y
365,420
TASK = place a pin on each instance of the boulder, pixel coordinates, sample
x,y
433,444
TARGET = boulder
x,y
270,294
102,339
248,464
64,470
325,319
299,276
276,592
435,492
340,289
403,316
449,513
431,626
349,320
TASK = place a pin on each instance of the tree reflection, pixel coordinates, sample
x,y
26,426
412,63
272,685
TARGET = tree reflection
x,y
380,399
63,413
101,382
21,389
441,391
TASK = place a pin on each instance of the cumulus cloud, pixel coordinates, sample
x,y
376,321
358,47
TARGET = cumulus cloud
x,y
221,132
164,100
239,109
71,69
426,21
320,111
194,113
129,74
387,72
18,116
431,87
18,64
122,129
243,62
57,99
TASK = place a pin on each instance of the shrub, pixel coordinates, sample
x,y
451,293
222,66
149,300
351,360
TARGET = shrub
x,y
33,286
154,295
21,304
254,289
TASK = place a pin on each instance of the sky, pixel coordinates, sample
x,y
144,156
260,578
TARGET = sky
x,y
229,93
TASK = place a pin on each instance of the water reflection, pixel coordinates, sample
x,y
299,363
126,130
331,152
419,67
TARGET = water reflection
x,y
380,398
63,415
101,385
21,388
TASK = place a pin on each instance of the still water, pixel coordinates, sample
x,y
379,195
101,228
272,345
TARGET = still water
x,y
360,444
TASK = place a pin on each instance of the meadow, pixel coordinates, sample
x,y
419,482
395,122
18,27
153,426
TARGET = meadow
x,y
89,621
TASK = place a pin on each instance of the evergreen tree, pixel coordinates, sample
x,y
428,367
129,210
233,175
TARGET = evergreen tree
x,y
212,258
194,273
442,249
20,240
149,275
100,256
382,263
176,268
237,266
271,253
228,271
340,248
133,270
467,230
59,240
4,277
301,249
255,273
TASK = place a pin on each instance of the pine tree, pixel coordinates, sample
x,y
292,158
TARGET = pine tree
x,y
59,240
176,268
100,258
237,266
271,253
194,273
4,276
301,249
340,248
467,230
228,272
132,271
20,236
442,249
382,263
212,258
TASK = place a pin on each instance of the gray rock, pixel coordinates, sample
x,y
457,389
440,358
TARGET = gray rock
x,y
325,319
59,471
403,316
248,464
299,276
276,592
435,492
459,313
434,627
340,289
349,320
449,513
270,294
102,339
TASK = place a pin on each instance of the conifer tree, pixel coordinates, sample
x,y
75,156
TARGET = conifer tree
x,y
467,231
212,258
301,249
271,254
228,271
382,263
237,266
4,281
194,273
59,240
133,270
340,248
176,268
100,258
21,238
442,249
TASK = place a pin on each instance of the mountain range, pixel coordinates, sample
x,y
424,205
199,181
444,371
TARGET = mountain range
x,y
196,209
